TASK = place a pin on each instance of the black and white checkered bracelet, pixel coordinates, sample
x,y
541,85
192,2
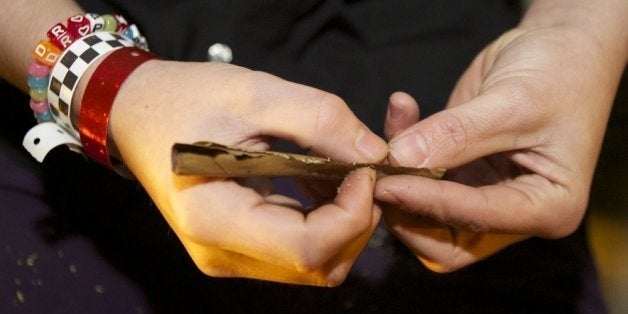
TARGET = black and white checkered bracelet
x,y
60,60
72,64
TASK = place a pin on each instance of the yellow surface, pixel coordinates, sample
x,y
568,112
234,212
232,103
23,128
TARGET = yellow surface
x,y
608,213
609,240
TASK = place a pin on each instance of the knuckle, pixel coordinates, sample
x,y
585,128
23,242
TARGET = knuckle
x,y
321,279
517,100
190,227
189,223
211,262
569,221
336,278
328,101
566,215
452,130
443,265
327,110
562,230
448,260
330,277
211,270
304,260
479,226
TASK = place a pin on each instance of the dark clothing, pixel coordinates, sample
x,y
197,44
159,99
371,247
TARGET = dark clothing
x,y
76,238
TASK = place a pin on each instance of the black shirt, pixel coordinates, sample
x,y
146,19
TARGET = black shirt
x,y
360,50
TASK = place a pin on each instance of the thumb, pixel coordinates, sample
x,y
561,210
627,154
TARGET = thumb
x,y
323,123
453,137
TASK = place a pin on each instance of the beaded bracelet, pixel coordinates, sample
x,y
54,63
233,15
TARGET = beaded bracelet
x,y
59,38
47,52
100,93
59,62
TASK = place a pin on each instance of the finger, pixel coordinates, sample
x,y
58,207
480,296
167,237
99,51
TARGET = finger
x,y
319,121
226,264
403,111
222,263
442,248
534,205
338,268
283,236
488,124
333,227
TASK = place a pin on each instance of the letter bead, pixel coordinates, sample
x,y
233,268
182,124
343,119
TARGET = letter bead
x,y
59,36
46,52
78,26
95,21
122,23
133,33
60,60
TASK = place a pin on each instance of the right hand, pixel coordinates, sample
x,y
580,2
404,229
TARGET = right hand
x,y
231,230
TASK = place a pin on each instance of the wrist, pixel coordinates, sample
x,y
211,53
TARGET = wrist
x,y
98,98
604,23
89,56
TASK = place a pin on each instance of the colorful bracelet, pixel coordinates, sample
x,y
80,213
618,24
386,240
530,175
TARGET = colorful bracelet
x,y
50,50
59,62
46,54
38,84
71,66
98,98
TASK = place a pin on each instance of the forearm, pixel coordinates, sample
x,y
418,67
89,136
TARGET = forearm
x,y
22,24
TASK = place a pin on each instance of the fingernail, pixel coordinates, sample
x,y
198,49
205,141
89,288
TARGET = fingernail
x,y
409,150
370,146
395,113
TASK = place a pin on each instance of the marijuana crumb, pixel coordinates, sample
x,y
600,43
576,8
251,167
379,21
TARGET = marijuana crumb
x,y
99,289
19,296
31,259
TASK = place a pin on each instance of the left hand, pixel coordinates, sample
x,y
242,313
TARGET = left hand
x,y
520,135
242,228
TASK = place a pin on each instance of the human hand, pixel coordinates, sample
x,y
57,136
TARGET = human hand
x,y
231,229
520,135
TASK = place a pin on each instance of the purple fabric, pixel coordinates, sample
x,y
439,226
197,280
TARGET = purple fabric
x,y
43,272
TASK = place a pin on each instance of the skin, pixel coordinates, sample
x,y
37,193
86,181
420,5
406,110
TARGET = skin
x,y
229,228
521,135
515,105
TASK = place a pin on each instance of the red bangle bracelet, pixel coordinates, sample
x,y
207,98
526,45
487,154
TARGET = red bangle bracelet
x,y
98,98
